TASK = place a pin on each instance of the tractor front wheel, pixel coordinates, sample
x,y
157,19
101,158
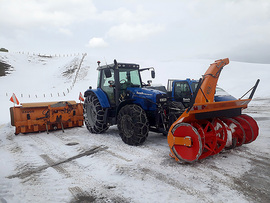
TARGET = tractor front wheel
x,y
94,114
133,124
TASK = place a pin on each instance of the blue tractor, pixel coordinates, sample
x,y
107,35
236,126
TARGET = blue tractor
x,y
122,98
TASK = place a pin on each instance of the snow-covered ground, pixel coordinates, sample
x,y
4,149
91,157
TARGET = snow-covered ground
x,y
77,166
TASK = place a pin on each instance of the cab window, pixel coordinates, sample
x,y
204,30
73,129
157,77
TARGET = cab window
x,y
129,78
106,87
181,90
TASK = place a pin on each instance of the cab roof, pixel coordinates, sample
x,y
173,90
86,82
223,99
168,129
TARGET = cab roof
x,y
120,65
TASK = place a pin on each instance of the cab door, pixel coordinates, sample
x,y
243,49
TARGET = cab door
x,y
107,84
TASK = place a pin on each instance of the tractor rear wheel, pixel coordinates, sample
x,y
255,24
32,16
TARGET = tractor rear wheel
x,y
132,124
94,114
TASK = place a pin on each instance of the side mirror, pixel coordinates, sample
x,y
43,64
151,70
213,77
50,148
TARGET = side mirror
x,y
107,73
153,74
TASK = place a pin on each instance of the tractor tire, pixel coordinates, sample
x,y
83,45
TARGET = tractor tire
x,y
94,115
133,125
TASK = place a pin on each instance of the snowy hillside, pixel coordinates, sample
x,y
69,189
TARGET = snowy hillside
x,y
39,75
77,166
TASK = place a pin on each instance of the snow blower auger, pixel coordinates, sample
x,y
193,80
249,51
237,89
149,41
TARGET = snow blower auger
x,y
46,116
207,127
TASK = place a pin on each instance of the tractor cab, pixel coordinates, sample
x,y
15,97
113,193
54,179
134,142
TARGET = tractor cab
x,y
182,90
115,79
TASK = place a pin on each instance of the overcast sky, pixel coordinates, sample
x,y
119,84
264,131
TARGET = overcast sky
x,y
154,29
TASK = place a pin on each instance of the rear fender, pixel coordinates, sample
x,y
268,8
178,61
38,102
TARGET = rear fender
x,y
101,95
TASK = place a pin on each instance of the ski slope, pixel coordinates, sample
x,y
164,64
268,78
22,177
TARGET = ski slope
x,y
77,166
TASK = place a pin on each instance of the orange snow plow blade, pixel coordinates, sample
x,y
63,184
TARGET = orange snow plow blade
x,y
211,126
46,116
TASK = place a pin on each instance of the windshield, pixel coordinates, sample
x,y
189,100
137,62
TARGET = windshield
x,y
221,92
194,86
130,77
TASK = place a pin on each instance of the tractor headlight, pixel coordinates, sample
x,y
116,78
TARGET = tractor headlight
x,y
161,98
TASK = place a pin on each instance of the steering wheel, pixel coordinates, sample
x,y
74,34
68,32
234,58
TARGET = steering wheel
x,y
123,81
123,84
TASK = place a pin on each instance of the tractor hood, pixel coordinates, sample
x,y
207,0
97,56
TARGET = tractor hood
x,y
222,95
151,95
